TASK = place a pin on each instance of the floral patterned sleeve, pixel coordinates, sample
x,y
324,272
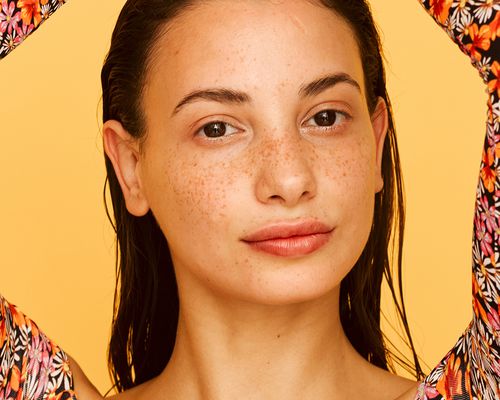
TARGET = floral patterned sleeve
x,y
471,370
31,365
19,18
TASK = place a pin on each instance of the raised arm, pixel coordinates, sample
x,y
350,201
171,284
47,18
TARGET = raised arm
x,y
471,370
19,18
31,365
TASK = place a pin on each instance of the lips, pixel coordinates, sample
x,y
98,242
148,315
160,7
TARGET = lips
x,y
290,239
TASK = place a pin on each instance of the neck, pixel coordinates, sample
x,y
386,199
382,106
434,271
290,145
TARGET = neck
x,y
228,349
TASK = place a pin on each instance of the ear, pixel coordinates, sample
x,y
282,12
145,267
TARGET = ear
x,y
380,124
123,152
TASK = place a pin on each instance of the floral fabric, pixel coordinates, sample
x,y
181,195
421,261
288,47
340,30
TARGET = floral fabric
x,y
471,370
19,18
31,365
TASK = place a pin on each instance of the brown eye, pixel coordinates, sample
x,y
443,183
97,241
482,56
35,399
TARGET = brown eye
x,y
325,118
215,129
328,120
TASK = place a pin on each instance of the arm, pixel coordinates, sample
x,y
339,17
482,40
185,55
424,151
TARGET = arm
x,y
472,368
31,365
19,18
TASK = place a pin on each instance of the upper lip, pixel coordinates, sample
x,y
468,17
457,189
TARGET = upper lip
x,y
282,230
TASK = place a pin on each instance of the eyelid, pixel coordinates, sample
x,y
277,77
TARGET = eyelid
x,y
340,108
213,119
327,107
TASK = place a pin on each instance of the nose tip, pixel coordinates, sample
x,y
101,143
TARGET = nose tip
x,y
286,175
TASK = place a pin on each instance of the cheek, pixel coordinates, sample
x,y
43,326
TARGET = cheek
x,y
352,170
189,198
350,180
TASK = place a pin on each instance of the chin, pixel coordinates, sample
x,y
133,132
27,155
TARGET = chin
x,y
301,282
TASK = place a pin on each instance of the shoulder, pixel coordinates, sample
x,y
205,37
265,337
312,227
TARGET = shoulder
x,y
411,393
31,364
83,388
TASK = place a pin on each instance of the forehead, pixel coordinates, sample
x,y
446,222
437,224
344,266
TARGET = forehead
x,y
253,44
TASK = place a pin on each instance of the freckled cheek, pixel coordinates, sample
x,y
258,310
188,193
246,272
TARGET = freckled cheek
x,y
348,170
193,198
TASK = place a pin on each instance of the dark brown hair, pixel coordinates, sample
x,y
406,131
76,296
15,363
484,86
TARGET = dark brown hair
x,y
146,303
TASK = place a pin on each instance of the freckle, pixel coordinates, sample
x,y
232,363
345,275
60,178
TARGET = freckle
x,y
278,336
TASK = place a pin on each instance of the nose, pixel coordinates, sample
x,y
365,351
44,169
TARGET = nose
x,y
286,172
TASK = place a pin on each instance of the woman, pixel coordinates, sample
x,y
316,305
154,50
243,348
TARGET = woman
x,y
281,111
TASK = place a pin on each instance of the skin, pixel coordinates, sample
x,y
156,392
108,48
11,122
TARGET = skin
x,y
253,325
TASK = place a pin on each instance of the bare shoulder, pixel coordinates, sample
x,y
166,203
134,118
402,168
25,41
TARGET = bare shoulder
x,y
84,389
146,390
411,393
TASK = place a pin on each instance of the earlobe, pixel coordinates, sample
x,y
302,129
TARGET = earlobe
x,y
380,125
123,152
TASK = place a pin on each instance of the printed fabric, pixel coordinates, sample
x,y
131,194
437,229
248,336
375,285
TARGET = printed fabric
x,y
471,370
31,365
19,18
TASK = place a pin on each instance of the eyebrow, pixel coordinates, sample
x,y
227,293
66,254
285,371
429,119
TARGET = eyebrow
x,y
229,96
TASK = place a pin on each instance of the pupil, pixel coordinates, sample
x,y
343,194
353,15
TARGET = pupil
x,y
325,118
215,129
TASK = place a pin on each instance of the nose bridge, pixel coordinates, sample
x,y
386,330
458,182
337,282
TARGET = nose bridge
x,y
285,150
286,172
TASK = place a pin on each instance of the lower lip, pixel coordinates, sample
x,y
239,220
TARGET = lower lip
x,y
294,246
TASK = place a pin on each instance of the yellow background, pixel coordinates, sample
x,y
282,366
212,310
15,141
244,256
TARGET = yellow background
x,y
56,247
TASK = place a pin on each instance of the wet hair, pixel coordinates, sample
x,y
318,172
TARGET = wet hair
x,y
146,303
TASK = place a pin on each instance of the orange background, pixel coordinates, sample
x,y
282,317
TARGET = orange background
x,y
56,247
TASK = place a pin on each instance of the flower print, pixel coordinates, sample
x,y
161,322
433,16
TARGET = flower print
x,y
494,320
15,378
38,353
481,40
496,367
61,373
9,19
10,42
494,84
488,174
484,237
440,9
494,115
452,385
489,215
45,11
462,20
30,11
495,27
484,11
38,366
24,30
486,277
430,392
30,364
492,136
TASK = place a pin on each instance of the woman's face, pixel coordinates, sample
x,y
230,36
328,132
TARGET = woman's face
x,y
261,160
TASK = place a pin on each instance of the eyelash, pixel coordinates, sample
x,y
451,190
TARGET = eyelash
x,y
335,126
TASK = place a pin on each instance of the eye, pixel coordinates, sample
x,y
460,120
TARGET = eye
x,y
328,119
216,129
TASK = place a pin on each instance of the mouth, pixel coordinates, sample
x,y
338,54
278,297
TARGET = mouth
x,y
290,239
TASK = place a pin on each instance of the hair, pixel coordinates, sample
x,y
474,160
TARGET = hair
x,y
146,302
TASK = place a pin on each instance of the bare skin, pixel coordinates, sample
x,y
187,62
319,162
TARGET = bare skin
x,y
255,325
